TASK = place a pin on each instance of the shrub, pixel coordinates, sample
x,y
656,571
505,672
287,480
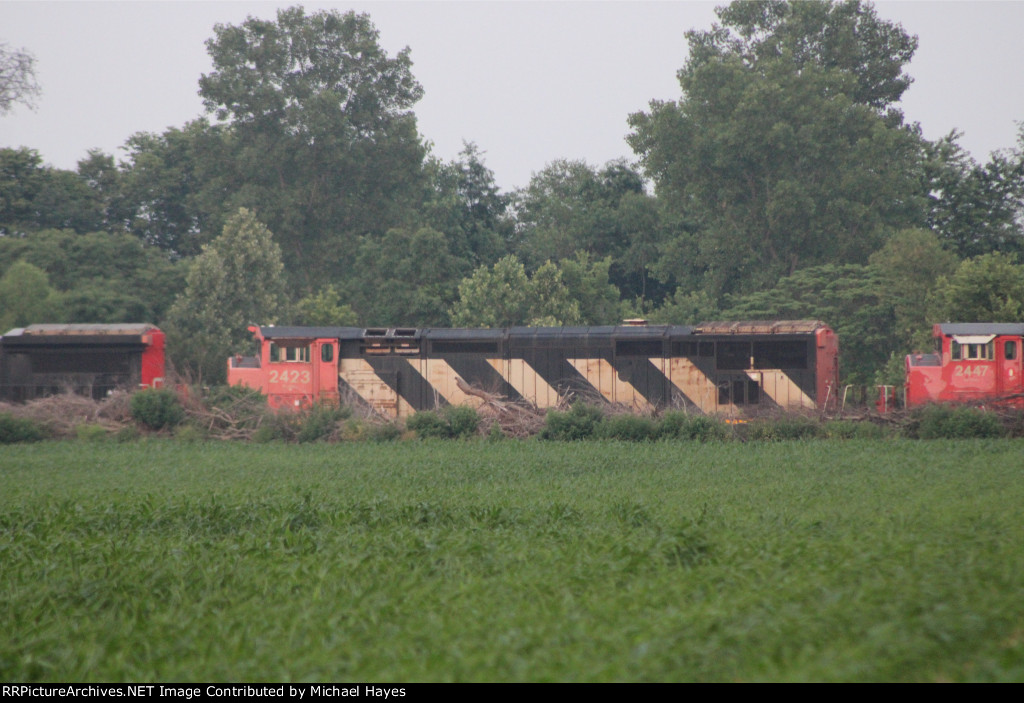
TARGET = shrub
x,y
320,421
383,431
578,423
852,429
452,422
427,423
680,425
783,429
948,422
629,427
156,408
462,420
281,426
18,429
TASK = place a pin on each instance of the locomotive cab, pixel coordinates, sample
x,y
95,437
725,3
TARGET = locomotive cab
x,y
294,367
972,361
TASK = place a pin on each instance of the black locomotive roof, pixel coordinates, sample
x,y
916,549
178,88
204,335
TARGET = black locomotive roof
x,y
78,335
967,328
549,334
293,332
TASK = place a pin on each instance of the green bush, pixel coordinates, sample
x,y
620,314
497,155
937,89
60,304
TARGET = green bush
x,y
783,429
462,420
320,421
279,426
157,408
676,424
452,422
427,423
950,422
629,427
852,429
579,422
383,431
18,429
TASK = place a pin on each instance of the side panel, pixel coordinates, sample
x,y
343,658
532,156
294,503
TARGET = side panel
x,y
396,372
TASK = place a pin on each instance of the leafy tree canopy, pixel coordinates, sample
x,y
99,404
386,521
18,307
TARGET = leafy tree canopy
x,y
574,292
26,297
326,142
237,281
778,152
976,208
35,197
987,288
406,277
867,54
468,208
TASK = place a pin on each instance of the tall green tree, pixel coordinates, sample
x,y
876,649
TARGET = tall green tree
x,y
976,208
909,267
34,196
179,187
786,149
570,207
237,280
327,145
987,288
407,277
100,277
467,206
574,292
26,297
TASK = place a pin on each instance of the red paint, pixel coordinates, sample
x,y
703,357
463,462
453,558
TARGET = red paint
x,y
975,371
296,378
827,367
153,359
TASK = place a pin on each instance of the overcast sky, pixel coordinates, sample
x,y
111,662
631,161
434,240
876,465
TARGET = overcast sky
x,y
528,82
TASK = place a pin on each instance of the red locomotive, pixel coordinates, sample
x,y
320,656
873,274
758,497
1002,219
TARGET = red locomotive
x,y
972,361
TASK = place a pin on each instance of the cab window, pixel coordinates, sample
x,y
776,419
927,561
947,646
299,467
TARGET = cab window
x,y
1010,351
973,352
289,354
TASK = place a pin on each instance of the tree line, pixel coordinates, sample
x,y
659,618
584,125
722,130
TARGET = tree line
x,y
783,182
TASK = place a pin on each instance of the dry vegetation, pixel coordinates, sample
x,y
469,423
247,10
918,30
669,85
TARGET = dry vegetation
x,y
239,414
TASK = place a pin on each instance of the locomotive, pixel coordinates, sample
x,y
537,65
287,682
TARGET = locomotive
x,y
737,369
87,359
972,362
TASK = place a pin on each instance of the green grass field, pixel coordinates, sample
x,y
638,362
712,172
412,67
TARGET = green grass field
x,y
512,561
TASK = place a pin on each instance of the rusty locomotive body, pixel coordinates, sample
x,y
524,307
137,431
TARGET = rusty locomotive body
x,y
732,368
87,359
972,362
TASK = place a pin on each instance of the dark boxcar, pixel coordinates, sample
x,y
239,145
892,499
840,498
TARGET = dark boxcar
x,y
733,368
86,359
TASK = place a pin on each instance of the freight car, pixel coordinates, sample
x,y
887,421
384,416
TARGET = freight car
x,y
972,361
732,368
86,359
